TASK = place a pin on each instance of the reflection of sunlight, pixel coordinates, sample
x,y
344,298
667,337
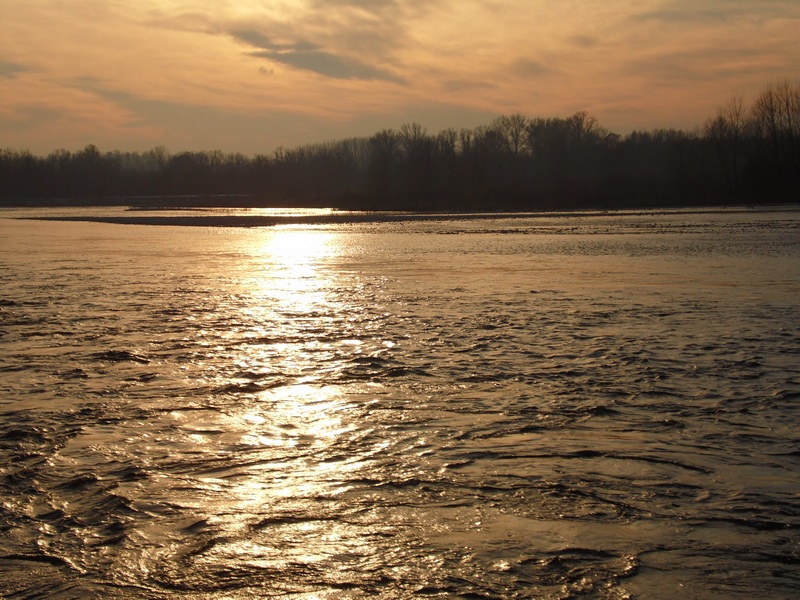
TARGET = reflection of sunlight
x,y
294,414
297,454
297,249
291,258
289,445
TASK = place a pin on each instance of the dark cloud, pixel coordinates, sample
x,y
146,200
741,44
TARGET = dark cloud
x,y
528,67
584,41
308,56
463,85
10,70
332,38
343,39
259,40
254,38
697,11
327,64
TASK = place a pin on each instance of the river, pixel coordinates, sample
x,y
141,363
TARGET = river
x,y
598,405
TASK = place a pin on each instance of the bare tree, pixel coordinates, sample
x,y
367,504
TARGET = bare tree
x,y
513,130
412,136
727,131
418,162
776,118
465,139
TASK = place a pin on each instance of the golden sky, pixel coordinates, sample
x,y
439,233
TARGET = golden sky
x,y
252,75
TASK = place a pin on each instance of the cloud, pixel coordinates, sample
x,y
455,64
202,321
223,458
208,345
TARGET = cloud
x,y
584,41
707,12
744,42
329,38
308,56
378,6
30,117
10,70
326,64
190,20
527,67
707,64
463,85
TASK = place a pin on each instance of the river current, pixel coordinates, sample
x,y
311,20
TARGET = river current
x,y
597,405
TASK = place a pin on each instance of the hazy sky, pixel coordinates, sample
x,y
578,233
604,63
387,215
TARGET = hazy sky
x,y
252,75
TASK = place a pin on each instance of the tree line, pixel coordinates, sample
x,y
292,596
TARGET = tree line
x,y
743,153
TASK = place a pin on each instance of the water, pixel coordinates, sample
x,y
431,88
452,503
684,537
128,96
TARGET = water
x,y
600,406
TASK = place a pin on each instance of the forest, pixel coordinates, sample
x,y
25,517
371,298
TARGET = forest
x,y
747,154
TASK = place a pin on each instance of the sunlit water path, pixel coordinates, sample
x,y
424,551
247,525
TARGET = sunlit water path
x,y
600,406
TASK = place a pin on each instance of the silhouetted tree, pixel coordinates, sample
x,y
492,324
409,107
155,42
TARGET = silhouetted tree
x,y
384,153
417,151
727,130
514,132
775,119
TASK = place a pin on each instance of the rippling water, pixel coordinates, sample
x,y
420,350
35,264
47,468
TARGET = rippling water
x,y
602,406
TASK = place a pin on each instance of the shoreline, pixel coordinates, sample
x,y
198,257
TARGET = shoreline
x,y
356,217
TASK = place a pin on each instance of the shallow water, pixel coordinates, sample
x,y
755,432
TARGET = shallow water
x,y
555,406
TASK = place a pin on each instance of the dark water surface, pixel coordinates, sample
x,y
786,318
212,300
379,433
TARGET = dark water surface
x,y
603,406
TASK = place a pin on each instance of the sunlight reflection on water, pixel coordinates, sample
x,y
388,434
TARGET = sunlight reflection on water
x,y
278,510
290,261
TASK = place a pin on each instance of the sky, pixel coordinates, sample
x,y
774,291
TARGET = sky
x,y
250,76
